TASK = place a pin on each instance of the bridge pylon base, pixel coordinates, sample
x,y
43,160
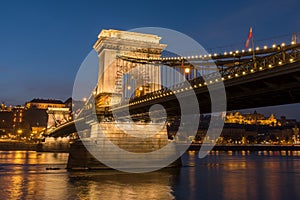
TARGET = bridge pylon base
x,y
105,139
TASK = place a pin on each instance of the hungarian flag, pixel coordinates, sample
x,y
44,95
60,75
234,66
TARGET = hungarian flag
x,y
249,37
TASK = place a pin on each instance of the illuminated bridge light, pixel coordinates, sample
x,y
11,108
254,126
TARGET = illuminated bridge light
x,y
280,63
229,76
270,66
236,75
210,81
237,51
291,60
205,83
260,68
216,80
200,84
209,55
293,42
274,46
243,51
188,57
244,73
252,70
215,54
230,52
282,44
193,57
265,47
249,49
205,56
223,78
196,57
257,48
195,86
225,53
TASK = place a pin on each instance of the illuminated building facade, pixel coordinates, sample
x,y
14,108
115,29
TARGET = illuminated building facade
x,y
44,104
6,121
254,119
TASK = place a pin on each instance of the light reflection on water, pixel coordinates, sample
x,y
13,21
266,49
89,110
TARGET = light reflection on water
x,y
221,175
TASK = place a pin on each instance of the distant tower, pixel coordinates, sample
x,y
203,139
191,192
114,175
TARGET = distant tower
x,y
57,116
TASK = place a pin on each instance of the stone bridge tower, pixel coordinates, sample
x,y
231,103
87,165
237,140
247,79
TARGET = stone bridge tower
x,y
115,77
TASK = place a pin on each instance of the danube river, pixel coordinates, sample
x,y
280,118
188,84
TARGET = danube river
x,y
221,175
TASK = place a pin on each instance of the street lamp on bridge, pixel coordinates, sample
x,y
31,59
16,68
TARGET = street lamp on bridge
x,y
187,71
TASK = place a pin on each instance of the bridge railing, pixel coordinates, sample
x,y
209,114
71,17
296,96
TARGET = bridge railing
x,y
231,65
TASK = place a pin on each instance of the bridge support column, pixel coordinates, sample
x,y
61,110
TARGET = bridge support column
x,y
112,73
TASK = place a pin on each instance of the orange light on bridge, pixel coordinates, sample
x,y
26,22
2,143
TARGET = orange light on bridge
x,y
141,88
187,70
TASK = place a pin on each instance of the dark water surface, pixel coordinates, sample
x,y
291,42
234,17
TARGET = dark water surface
x,y
221,175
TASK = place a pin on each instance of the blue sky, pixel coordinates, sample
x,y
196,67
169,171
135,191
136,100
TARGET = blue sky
x,y
43,43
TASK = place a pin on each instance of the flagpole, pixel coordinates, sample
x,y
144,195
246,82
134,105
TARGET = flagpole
x,y
253,50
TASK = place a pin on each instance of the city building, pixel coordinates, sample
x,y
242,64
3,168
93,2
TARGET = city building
x,y
44,104
34,119
6,121
255,118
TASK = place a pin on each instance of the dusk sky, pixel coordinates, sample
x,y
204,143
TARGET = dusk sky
x,y
44,42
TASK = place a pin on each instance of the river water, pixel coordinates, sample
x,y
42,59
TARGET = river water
x,y
221,175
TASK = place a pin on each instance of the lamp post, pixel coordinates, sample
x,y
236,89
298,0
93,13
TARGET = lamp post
x,y
187,71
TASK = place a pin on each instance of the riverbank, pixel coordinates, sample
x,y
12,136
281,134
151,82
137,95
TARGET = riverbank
x,y
17,145
12,145
254,147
